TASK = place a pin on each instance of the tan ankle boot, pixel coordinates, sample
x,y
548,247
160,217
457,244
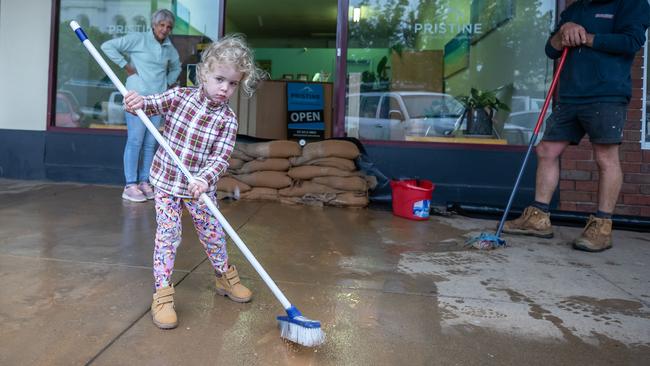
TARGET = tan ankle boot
x,y
532,221
228,284
162,308
596,236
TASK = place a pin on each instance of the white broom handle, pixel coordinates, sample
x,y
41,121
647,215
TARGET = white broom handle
x,y
154,131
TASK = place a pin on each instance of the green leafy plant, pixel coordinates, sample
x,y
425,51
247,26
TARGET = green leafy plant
x,y
486,99
479,111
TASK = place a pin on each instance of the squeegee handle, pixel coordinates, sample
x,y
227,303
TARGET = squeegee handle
x,y
551,90
154,131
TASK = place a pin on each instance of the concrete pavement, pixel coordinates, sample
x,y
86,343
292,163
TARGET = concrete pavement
x,y
75,263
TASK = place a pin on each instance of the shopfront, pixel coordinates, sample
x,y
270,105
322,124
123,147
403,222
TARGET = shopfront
x,y
397,75
408,65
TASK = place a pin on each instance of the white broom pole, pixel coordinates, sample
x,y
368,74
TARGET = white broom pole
x,y
154,131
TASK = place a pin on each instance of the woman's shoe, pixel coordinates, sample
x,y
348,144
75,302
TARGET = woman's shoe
x,y
146,189
133,194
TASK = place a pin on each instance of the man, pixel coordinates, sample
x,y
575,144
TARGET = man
x,y
595,88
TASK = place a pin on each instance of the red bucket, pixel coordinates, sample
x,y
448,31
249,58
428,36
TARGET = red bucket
x,y
412,198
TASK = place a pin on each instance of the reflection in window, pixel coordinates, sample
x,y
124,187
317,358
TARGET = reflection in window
x,y
369,106
140,23
645,119
85,97
119,20
424,55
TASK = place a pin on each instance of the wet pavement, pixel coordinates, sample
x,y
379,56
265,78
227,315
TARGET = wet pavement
x,y
75,263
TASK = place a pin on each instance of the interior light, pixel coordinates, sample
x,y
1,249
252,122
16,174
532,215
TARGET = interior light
x,y
356,14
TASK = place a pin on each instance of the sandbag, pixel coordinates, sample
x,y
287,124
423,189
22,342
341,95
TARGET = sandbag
x,y
310,199
350,199
327,148
272,164
267,179
307,172
237,153
343,183
371,180
299,189
235,163
261,193
332,161
229,184
272,149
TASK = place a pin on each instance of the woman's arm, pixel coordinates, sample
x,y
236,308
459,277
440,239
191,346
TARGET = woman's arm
x,y
174,68
115,49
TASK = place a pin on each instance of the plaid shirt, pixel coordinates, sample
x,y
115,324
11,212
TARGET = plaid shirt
x,y
201,133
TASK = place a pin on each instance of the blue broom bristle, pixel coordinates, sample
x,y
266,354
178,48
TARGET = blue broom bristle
x,y
299,329
486,241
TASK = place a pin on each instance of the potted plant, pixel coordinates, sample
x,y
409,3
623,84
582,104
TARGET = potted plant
x,y
479,110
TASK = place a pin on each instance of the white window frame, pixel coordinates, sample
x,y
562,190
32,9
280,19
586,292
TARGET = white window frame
x,y
645,145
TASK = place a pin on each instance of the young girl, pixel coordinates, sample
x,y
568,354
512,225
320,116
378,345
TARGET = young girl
x,y
201,128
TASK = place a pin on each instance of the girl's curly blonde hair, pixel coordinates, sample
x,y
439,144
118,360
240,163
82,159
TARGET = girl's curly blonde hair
x,y
232,50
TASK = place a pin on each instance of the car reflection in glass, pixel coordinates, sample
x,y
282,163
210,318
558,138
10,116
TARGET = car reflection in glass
x,y
396,115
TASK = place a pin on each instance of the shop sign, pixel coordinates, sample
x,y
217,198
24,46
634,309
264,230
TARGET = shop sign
x,y
124,29
305,106
452,28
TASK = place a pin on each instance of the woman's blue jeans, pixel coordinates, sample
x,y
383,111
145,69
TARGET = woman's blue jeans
x,y
139,150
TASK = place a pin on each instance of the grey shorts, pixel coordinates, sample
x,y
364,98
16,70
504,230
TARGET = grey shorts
x,y
603,122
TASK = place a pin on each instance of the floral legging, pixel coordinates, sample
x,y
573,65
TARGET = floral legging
x,y
168,235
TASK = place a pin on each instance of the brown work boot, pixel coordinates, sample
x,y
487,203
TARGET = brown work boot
x,y
532,221
162,308
596,236
228,284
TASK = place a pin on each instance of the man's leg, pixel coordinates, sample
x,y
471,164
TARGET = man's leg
x,y
611,177
535,220
548,169
605,132
597,234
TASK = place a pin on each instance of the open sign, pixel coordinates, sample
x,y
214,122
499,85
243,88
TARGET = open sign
x,y
305,105
306,116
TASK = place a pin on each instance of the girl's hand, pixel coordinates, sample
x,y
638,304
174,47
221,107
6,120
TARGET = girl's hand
x,y
197,187
133,101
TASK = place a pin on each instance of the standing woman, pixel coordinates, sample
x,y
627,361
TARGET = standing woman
x,y
153,64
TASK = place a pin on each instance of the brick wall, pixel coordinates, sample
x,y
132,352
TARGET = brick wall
x,y
579,173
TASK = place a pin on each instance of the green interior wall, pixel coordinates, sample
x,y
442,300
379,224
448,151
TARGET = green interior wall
x,y
298,61
312,60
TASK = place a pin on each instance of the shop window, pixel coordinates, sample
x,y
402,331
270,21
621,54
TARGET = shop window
x,y
421,57
369,106
84,96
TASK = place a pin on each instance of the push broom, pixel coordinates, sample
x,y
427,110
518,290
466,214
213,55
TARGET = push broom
x,y
293,326
491,241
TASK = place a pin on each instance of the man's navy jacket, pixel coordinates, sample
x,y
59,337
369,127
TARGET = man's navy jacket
x,y
602,73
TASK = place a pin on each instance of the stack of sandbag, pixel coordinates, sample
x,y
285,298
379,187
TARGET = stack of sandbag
x,y
321,173
258,170
325,173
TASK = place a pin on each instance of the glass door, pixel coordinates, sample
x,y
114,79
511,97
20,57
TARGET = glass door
x,y
295,42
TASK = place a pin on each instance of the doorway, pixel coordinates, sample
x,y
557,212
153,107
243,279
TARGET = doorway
x,y
294,42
